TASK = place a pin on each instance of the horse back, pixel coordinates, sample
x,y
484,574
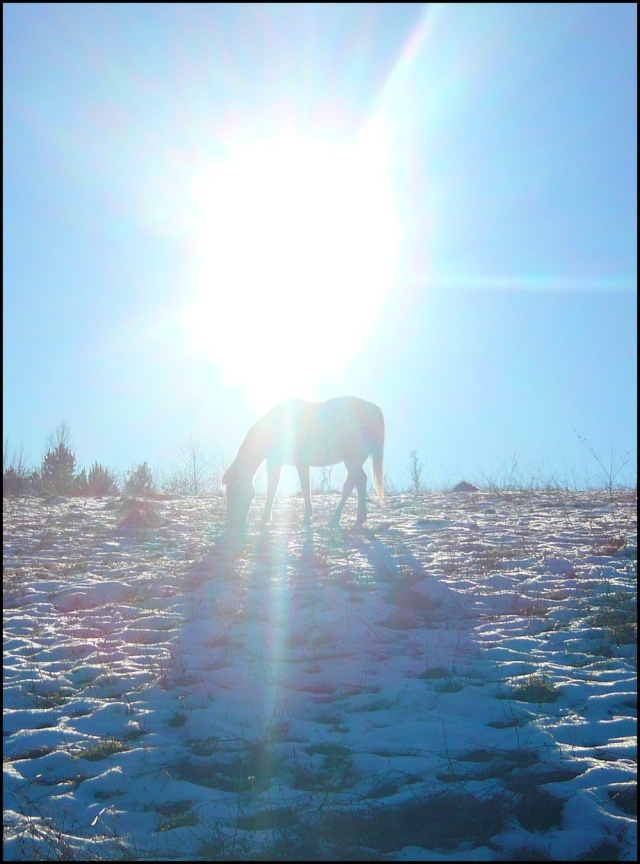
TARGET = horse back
x,y
322,433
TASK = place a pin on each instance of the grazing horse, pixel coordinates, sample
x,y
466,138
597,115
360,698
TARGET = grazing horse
x,y
302,434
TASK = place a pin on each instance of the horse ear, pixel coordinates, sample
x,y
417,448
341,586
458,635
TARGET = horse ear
x,y
225,476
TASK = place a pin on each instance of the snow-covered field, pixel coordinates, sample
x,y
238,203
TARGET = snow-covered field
x,y
457,681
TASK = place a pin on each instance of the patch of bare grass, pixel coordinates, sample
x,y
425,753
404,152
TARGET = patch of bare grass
x,y
537,689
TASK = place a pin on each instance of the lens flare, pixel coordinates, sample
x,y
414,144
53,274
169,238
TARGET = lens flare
x,y
295,245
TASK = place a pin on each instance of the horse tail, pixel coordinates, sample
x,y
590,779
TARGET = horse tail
x,y
377,451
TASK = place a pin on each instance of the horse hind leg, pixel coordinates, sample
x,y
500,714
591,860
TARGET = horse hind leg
x,y
357,477
305,486
349,483
361,487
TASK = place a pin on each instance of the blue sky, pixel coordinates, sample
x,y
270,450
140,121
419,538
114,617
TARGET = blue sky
x,y
210,208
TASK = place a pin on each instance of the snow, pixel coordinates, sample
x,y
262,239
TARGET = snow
x,y
174,691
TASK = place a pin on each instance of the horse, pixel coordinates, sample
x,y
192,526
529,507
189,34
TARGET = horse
x,y
304,434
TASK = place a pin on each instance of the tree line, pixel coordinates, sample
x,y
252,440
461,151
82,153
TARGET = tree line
x,y
59,473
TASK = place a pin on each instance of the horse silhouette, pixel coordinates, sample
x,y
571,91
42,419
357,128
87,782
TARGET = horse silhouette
x,y
305,434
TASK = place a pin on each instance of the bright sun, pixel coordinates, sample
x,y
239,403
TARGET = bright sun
x,y
296,244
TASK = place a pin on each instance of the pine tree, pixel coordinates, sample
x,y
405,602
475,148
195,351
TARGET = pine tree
x,y
101,481
80,483
139,483
58,471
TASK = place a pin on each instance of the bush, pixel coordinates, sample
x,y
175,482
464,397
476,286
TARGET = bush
x,y
194,473
17,478
415,473
13,482
177,482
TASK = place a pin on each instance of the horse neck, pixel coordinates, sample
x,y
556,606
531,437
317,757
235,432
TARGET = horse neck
x,y
252,452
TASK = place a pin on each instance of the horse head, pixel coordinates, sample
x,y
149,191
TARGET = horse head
x,y
240,493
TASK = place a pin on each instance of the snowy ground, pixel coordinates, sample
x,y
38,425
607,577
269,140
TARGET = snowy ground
x,y
455,682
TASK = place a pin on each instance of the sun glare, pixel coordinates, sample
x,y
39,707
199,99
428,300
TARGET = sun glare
x,y
295,246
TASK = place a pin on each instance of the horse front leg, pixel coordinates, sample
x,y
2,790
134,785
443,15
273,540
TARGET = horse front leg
x,y
305,486
273,478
